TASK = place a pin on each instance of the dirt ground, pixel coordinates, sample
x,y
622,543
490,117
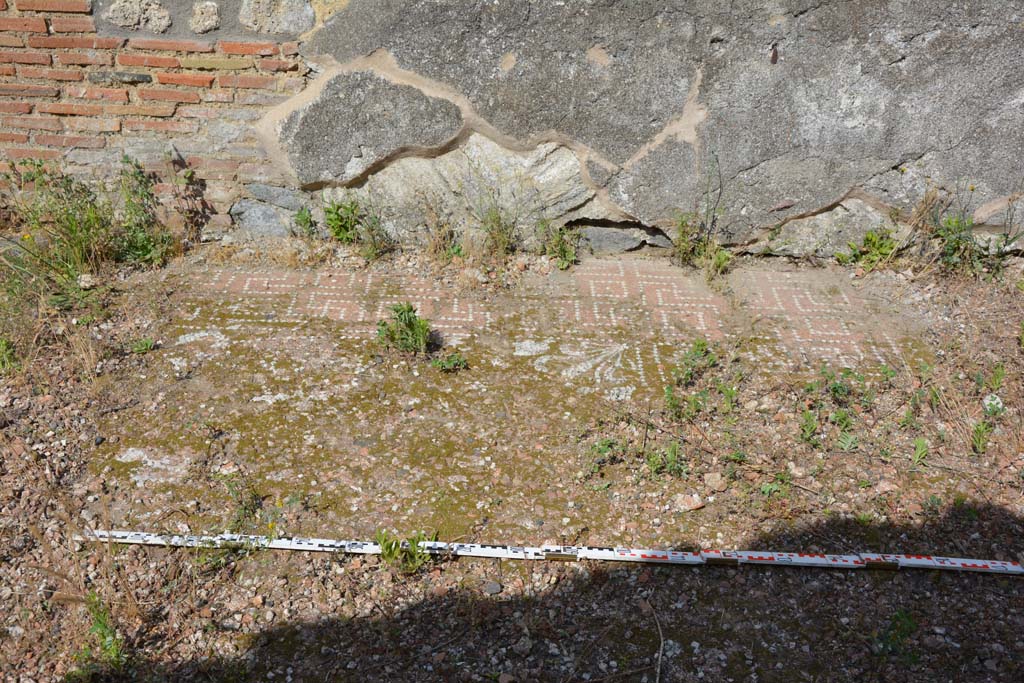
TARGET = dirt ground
x,y
830,411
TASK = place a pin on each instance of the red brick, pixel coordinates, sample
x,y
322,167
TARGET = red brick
x,y
15,107
82,58
169,45
70,141
15,154
195,80
31,122
261,82
75,42
166,126
149,60
70,109
277,65
72,25
7,70
11,41
26,90
290,49
13,137
24,57
237,48
74,6
89,93
23,24
50,74
169,95
94,125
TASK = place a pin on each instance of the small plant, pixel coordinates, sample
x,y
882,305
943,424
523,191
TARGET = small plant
x,y
8,357
374,240
669,461
892,642
673,405
695,404
809,427
140,239
453,362
920,456
342,221
143,346
841,419
980,437
876,249
729,393
696,361
406,331
993,406
407,556
110,649
499,231
248,505
716,260
888,373
996,379
559,244
305,225
932,505
443,243
847,442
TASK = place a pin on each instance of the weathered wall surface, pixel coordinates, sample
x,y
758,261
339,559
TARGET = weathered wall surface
x,y
820,115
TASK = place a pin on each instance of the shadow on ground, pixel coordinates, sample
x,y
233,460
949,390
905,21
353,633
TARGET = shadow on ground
x,y
608,622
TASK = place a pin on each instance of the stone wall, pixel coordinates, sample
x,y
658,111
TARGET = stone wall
x,y
820,119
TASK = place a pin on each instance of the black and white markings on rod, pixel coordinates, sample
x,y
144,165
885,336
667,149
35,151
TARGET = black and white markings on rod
x,y
571,553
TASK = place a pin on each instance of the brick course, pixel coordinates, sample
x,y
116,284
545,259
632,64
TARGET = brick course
x,y
84,99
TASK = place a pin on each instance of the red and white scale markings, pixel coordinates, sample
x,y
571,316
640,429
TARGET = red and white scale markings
x,y
572,553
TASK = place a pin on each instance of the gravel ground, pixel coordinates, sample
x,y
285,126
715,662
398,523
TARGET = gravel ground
x,y
188,615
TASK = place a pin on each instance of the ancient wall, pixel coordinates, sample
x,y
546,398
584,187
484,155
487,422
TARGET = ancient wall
x,y
817,117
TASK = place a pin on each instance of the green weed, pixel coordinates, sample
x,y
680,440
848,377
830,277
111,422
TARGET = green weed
x,y
499,232
305,225
453,362
141,239
876,249
407,556
995,380
993,406
342,221
847,442
920,456
892,642
406,331
143,346
696,361
8,357
109,655
729,393
559,244
669,461
809,427
980,436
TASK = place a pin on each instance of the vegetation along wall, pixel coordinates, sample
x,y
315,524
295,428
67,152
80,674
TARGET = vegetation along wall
x,y
799,123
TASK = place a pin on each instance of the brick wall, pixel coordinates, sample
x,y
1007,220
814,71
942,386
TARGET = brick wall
x,y
70,94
